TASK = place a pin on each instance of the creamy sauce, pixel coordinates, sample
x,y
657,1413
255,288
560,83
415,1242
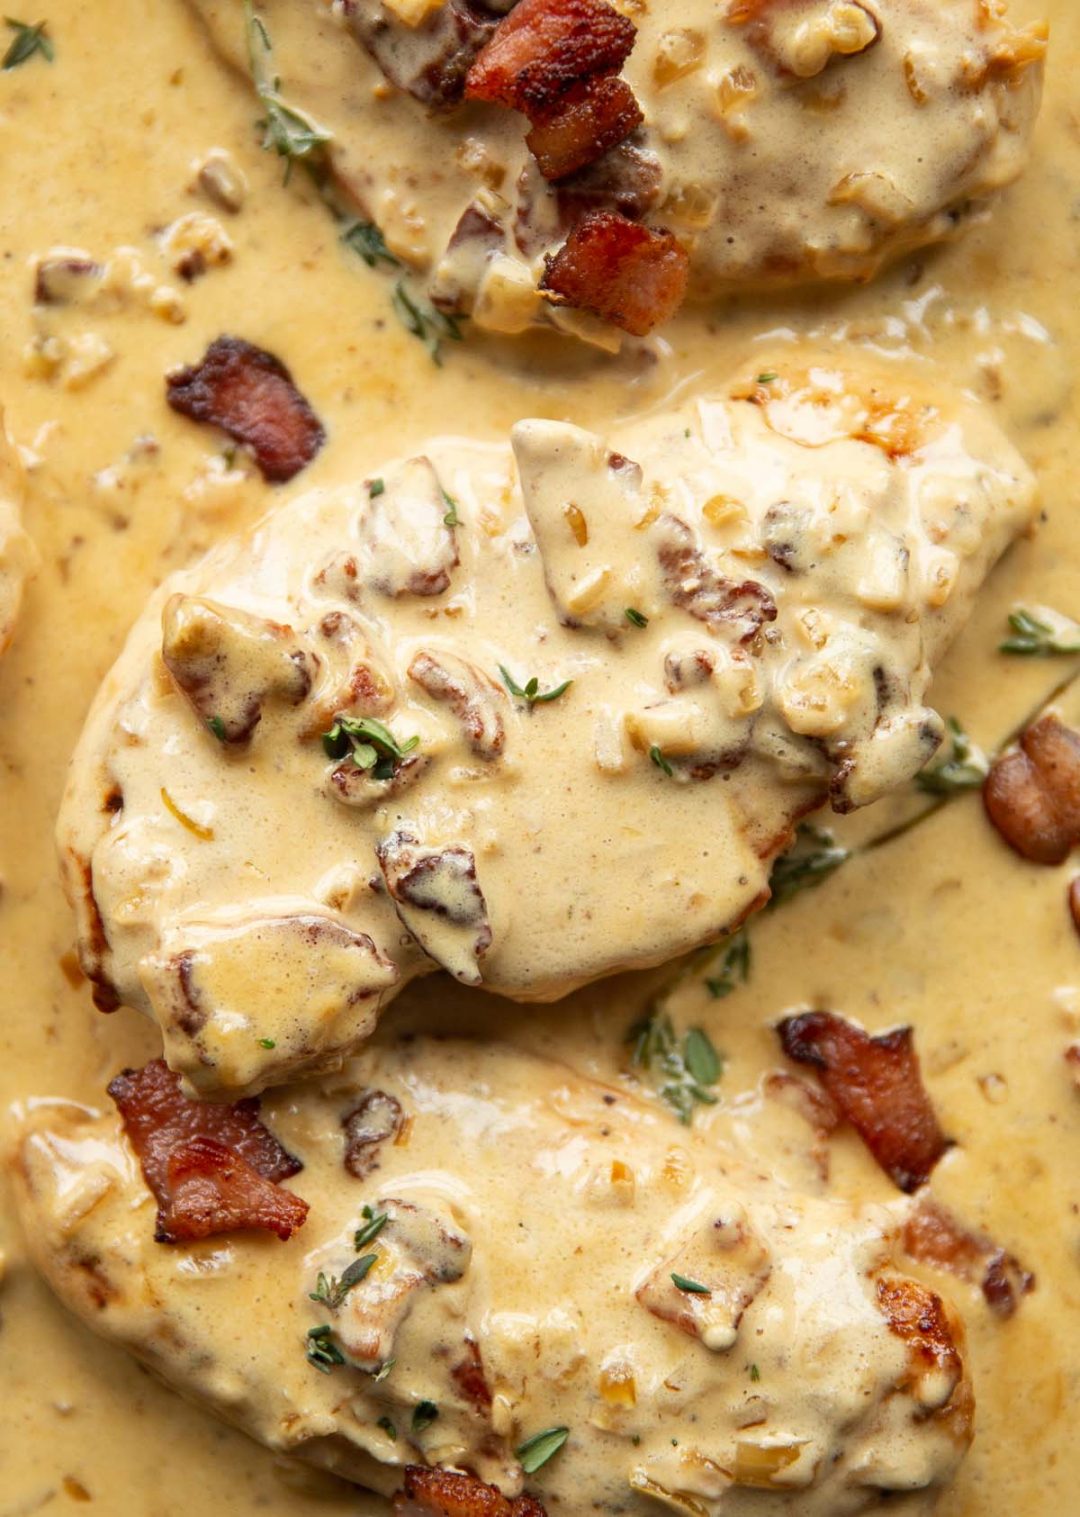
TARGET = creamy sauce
x,y
942,928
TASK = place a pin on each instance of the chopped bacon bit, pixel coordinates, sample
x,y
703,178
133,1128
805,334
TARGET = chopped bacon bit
x,y
367,1128
630,275
919,1317
474,699
1032,793
1072,1059
934,1236
876,1084
544,47
696,587
212,1169
469,1377
589,120
444,1493
250,394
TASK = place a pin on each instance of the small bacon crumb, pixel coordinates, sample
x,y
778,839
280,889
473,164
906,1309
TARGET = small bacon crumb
x,y
934,1236
590,119
1032,793
633,276
1072,1059
876,1084
250,394
544,47
212,1168
444,1493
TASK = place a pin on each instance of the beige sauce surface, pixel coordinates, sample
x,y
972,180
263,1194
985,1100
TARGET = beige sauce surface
x,y
943,927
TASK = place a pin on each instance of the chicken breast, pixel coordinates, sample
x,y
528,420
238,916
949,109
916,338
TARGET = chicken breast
x,y
712,1341
530,716
760,143
17,555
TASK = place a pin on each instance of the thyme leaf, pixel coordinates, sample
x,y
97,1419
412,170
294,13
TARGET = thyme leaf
x,y
373,1226
814,857
636,618
388,1428
372,745
1032,637
322,1351
964,767
537,1450
424,1415
682,1071
433,327
691,1287
287,130
657,757
367,241
28,40
733,966
531,693
331,1292
451,519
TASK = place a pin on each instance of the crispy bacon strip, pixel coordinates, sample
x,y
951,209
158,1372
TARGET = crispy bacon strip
x,y
630,275
445,1493
590,119
213,1169
250,394
544,47
1032,793
876,1084
934,1236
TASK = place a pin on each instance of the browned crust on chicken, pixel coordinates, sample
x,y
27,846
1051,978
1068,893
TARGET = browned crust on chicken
x,y
212,1168
633,276
250,394
876,1084
934,1236
544,47
445,1493
1032,793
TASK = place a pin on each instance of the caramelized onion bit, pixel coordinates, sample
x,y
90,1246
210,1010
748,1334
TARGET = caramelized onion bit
x,y
934,1236
444,1493
1032,793
250,394
633,276
212,1168
591,119
543,47
876,1084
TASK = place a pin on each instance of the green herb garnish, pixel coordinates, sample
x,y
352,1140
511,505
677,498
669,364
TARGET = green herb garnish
x,y
433,327
217,727
733,966
27,41
373,1226
322,1351
287,130
451,519
683,1070
365,239
537,1450
660,761
424,1416
531,693
814,857
964,767
1032,638
636,618
388,1428
692,1287
383,1370
376,488
331,1292
768,377
372,745
267,1043
755,1373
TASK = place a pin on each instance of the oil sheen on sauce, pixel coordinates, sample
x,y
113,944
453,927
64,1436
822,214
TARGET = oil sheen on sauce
x,y
942,927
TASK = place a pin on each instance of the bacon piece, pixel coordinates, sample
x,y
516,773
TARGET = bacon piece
x,y
212,1169
468,1375
589,120
696,587
473,698
1072,1059
934,1236
250,394
543,47
876,1084
1032,793
430,61
633,276
438,897
444,1493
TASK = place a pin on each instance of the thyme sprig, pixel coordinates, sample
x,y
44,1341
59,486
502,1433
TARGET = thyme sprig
x,y
371,744
367,241
683,1070
964,766
1032,636
732,965
814,857
530,692
432,326
330,1291
287,130
29,39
